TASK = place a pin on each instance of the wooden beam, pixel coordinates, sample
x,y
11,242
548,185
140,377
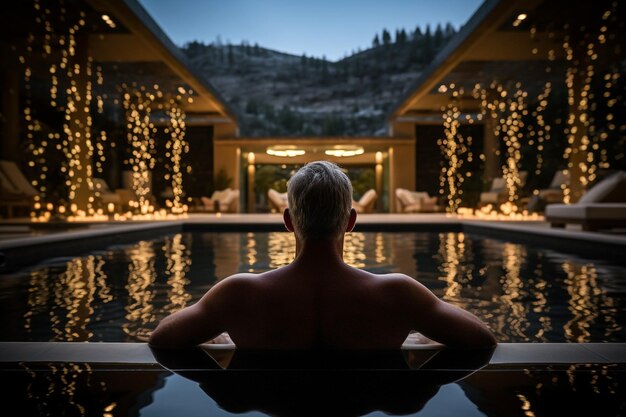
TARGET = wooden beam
x,y
121,48
514,46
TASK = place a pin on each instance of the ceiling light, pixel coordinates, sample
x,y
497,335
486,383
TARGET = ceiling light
x,y
345,150
288,151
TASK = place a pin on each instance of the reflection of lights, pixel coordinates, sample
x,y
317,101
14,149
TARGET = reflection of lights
x,y
584,292
526,407
345,150
455,254
288,151
513,257
178,261
281,248
251,252
354,249
141,277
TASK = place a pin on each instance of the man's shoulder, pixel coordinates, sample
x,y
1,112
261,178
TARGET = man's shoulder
x,y
391,281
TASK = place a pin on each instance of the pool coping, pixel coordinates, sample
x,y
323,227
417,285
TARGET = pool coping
x,y
140,353
25,251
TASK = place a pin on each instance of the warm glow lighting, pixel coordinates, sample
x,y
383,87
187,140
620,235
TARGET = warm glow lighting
x,y
379,157
522,16
288,151
251,158
345,150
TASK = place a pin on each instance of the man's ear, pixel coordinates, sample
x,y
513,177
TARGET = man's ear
x,y
287,220
351,221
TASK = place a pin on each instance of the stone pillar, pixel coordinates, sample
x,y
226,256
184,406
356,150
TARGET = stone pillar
x,y
491,150
379,181
402,170
577,136
81,128
251,173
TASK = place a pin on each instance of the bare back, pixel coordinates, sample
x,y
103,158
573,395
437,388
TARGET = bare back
x,y
320,305
294,308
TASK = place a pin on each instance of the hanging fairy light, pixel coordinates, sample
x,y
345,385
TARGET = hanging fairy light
x,y
141,140
455,151
176,147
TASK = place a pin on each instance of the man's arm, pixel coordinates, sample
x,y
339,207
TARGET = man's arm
x,y
445,323
197,323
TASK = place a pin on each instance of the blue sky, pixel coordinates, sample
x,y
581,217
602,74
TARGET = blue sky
x,y
316,27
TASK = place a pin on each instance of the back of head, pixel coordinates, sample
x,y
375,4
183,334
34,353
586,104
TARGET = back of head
x,y
320,199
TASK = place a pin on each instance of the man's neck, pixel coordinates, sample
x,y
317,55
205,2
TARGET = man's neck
x,y
314,252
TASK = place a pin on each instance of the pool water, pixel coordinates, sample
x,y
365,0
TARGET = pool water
x,y
523,292
84,389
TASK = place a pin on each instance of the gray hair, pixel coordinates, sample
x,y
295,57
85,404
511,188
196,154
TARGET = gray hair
x,y
320,199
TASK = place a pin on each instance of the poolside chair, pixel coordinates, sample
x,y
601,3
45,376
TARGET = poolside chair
x,y
415,202
278,201
498,192
107,196
15,189
551,195
225,201
366,203
603,206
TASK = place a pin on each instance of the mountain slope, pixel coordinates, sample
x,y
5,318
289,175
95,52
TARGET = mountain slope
x,y
288,95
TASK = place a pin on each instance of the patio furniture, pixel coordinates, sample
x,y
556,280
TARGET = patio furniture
x,y
224,201
106,195
15,189
551,195
498,192
415,202
603,206
278,201
366,203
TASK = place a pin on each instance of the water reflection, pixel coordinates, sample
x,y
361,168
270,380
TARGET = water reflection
x,y
178,262
141,277
82,389
523,293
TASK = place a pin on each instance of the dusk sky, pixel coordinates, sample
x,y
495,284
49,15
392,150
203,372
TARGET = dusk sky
x,y
332,28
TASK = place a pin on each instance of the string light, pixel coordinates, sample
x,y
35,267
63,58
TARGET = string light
x,y
176,147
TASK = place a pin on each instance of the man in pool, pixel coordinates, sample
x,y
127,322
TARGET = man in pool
x,y
318,301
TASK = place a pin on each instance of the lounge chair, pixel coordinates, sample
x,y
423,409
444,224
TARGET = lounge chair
x,y
603,206
415,202
553,194
106,195
278,201
366,203
225,201
15,189
498,192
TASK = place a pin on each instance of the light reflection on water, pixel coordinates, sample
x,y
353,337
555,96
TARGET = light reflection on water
x,y
524,293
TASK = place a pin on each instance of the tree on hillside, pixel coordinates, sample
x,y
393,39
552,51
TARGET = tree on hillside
x,y
194,48
417,34
438,37
375,42
386,37
401,36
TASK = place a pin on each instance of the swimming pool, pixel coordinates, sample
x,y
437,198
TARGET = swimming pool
x,y
524,292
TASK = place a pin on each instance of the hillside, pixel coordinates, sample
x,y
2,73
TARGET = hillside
x,y
288,95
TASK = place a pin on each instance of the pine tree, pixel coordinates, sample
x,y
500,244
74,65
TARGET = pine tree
x,y
386,37
438,37
376,41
